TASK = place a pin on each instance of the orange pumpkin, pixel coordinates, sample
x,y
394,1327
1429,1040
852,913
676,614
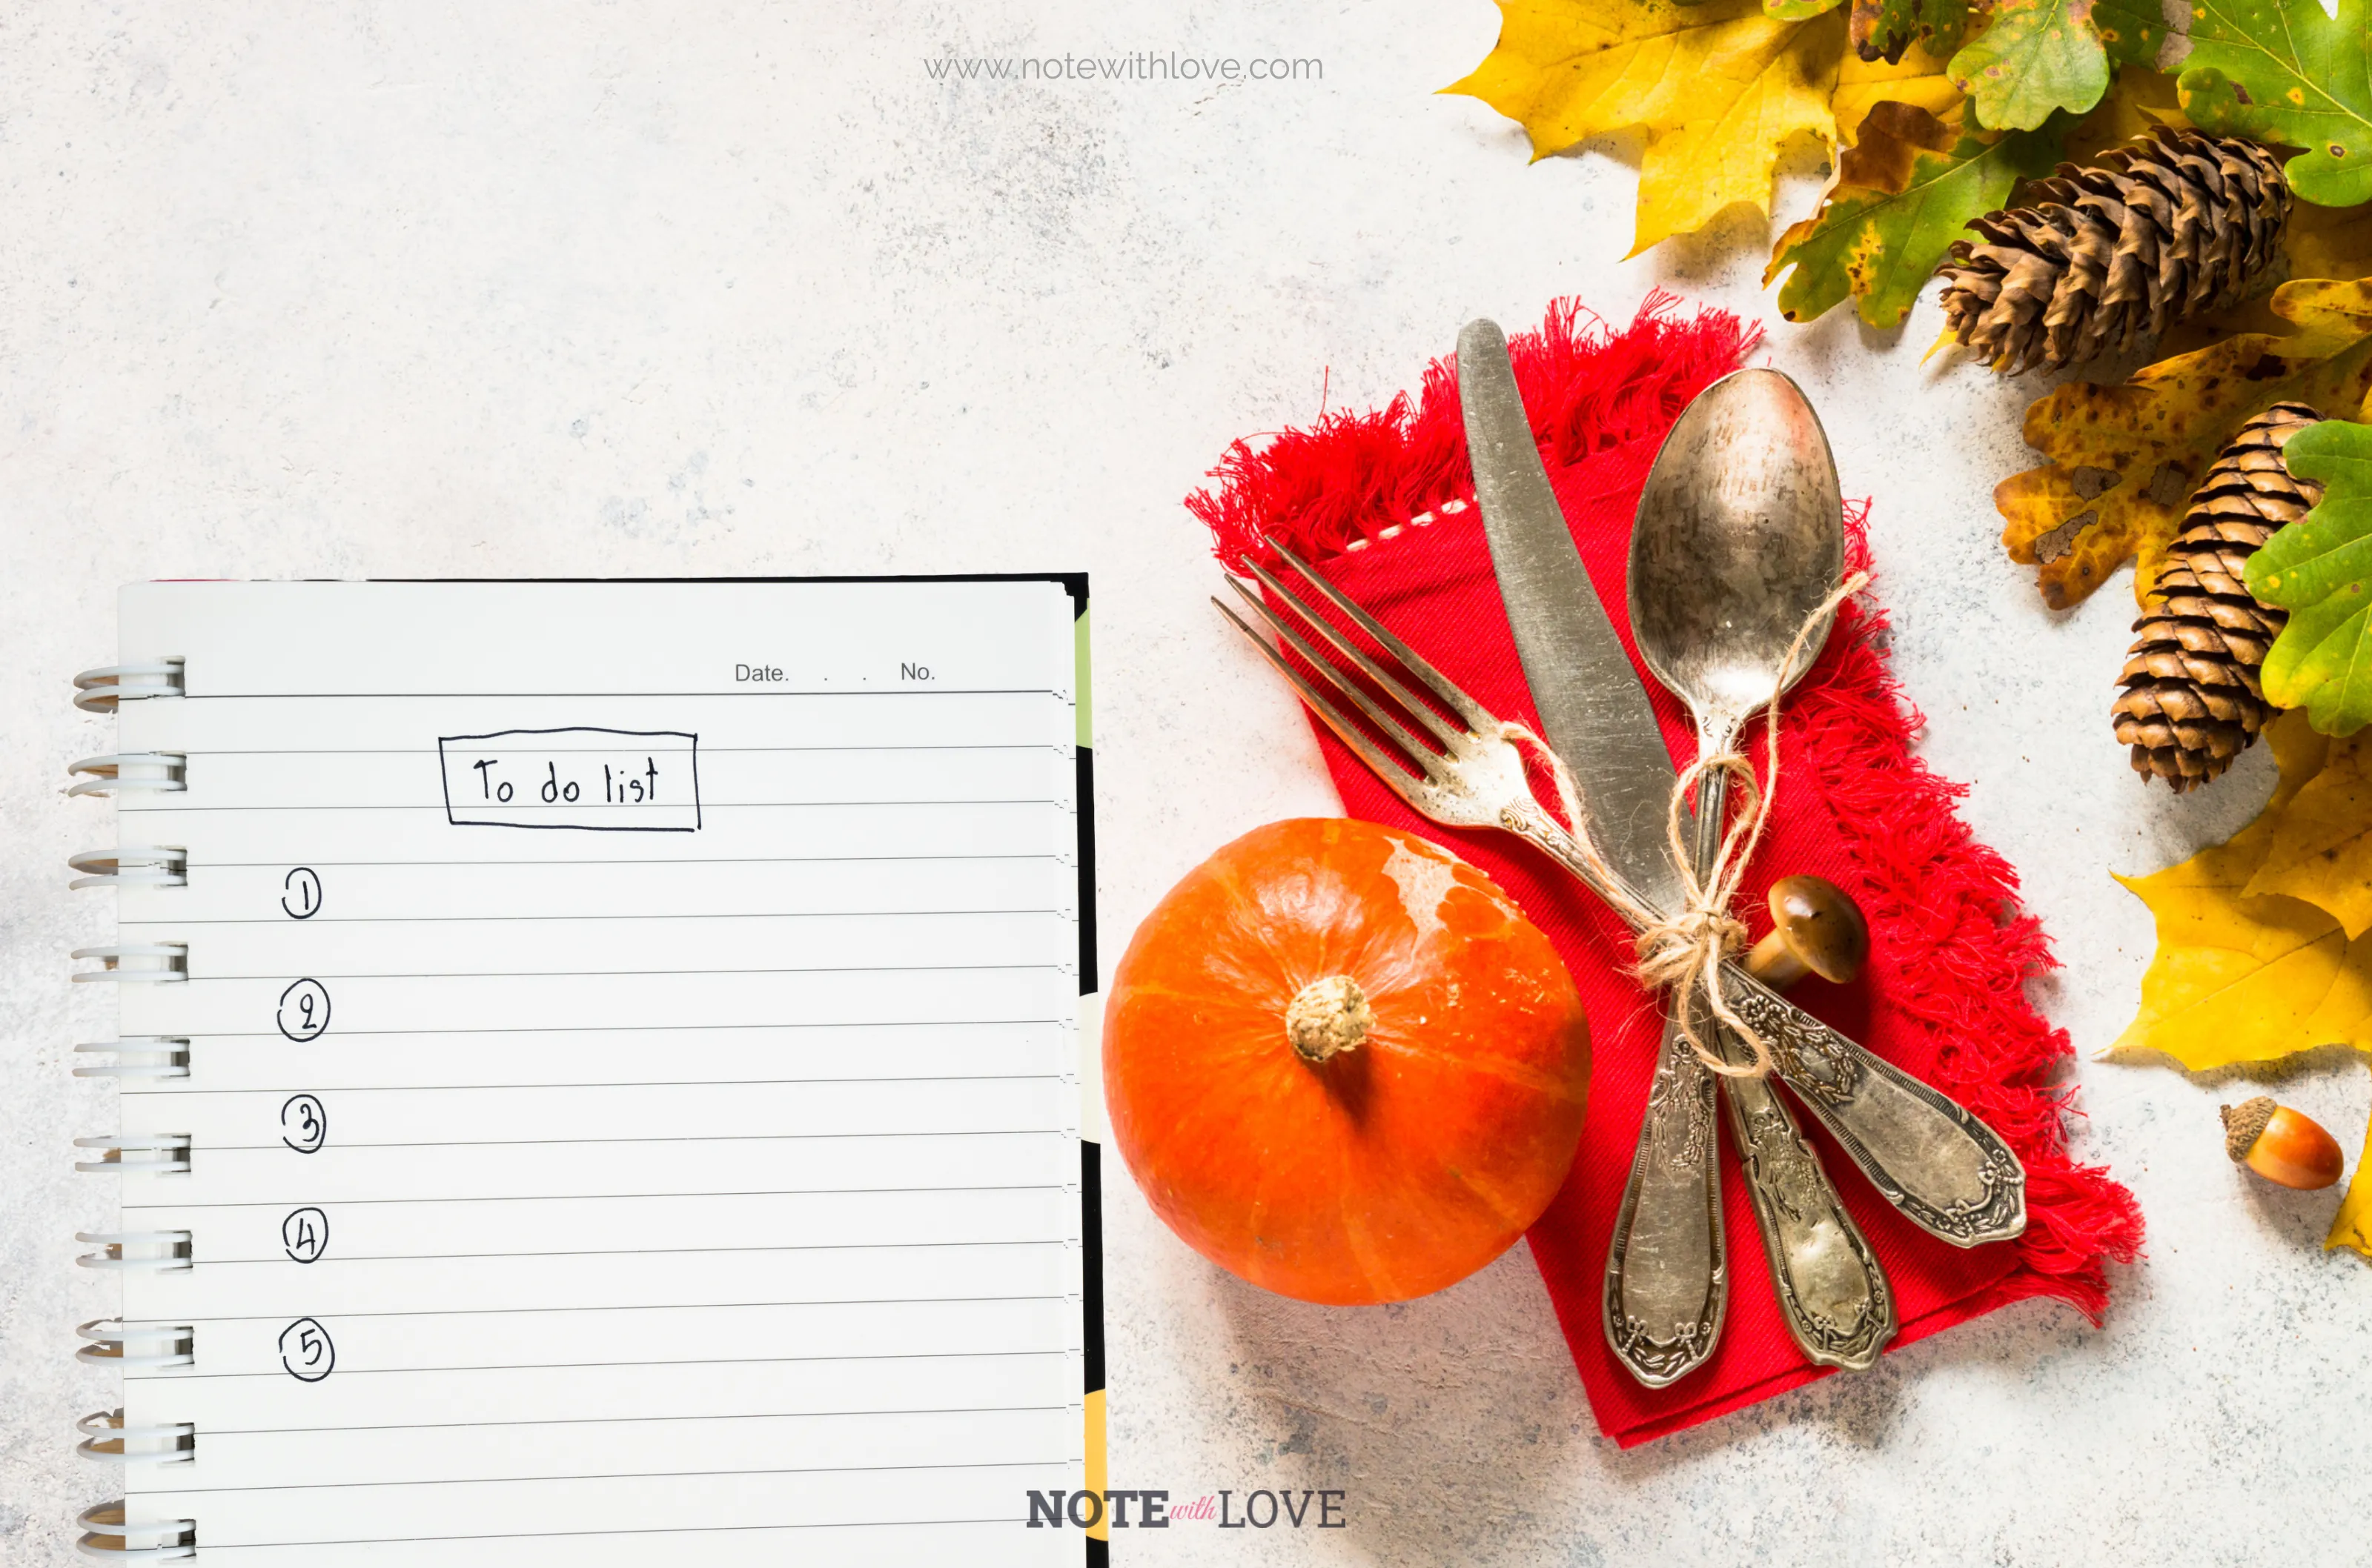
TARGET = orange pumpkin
x,y
1342,1064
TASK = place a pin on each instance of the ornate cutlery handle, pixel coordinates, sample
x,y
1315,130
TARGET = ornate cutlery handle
x,y
1668,1271
1949,1173
1923,1151
1833,1295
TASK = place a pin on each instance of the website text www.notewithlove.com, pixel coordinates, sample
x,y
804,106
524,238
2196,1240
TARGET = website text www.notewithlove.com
x,y
1143,65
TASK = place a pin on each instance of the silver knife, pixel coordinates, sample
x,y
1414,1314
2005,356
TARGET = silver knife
x,y
1667,1285
1926,1155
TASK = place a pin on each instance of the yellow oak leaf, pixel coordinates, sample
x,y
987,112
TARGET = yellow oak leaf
x,y
2352,1226
1720,88
2124,459
1917,78
2237,978
2320,850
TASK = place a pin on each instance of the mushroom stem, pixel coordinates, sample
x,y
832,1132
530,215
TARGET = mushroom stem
x,y
1775,963
1329,1015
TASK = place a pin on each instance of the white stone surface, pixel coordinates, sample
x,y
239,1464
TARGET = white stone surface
x,y
501,289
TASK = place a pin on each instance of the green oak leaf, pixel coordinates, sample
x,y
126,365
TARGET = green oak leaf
x,y
2038,55
1882,30
2319,569
2287,72
1899,197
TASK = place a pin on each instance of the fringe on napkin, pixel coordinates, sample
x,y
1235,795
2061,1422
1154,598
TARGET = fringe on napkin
x,y
1355,478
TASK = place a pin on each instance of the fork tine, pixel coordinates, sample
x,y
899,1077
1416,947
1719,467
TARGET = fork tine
x,y
1458,740
1457,701
1392,772
1421,756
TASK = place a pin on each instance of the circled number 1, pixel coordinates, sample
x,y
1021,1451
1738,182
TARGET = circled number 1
x,y
300,893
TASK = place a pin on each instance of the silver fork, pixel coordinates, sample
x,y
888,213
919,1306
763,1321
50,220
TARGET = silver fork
x,y
1946,1171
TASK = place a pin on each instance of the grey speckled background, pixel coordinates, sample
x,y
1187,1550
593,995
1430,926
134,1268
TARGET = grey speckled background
x,y
500,288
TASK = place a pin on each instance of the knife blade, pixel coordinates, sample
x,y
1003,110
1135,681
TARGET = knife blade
x,y
1593,707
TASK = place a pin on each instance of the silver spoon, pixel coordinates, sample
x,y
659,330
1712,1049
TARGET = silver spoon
x,y
1739,537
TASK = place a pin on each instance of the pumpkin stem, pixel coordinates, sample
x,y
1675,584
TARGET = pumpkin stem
x,y
1330,1015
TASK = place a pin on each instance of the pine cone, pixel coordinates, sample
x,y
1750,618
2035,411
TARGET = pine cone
x,y
2172,224
2192,701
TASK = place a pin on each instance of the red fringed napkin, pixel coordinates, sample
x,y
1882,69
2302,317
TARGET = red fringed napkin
x,y
1386,501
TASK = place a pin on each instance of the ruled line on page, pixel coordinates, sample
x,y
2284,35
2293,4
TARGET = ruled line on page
x,y
628,1475
214,1432
218,1549
273,1035
177,1375
819,969
625,860
596,974
440,812
631,1197
606,1084
317,921
685,1138
706,750
596,696
330,1262
653,1307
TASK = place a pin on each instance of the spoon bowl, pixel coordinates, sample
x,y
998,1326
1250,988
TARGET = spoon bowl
x,y
1741,535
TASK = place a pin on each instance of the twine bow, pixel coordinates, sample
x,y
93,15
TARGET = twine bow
x,y
1683,952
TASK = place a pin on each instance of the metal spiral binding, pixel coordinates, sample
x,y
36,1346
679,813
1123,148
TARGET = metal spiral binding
x,y
107,1438
149,866
131,773
162,1250
99,690
107,1538
136,963
138,1056
158,1154
121,1344
107,1441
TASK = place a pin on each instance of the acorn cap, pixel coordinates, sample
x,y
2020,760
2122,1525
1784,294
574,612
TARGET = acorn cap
x,y
2244,1125
1820,925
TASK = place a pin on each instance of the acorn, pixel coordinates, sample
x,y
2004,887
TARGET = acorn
x,y
1816,928
2280,1144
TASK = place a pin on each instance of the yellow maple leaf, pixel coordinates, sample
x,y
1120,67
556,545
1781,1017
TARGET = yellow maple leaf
x,y
2320,847
2352,1226
1720,88
2126,459
2242,978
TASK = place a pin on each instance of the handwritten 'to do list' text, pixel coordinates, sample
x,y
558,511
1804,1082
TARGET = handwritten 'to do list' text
x,y
594,780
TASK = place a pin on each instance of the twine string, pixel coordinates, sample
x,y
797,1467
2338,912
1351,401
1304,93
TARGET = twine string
x,y
1683,952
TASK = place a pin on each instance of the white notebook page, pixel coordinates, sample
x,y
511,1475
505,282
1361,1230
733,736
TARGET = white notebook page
x,y
585,1170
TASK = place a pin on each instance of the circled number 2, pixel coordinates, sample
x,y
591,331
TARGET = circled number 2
x,y
300,893
304,1234
304,1010
304,1125
306,1351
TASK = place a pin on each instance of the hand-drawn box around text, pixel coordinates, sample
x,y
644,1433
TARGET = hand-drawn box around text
x,y
603,780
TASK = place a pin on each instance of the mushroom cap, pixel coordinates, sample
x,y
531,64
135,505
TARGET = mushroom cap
x,y
1821,924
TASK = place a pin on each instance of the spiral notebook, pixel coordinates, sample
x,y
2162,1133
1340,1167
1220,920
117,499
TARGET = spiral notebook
x,y
599,1071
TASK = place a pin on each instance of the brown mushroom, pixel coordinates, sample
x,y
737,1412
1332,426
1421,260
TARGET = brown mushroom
x,y
1816,929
